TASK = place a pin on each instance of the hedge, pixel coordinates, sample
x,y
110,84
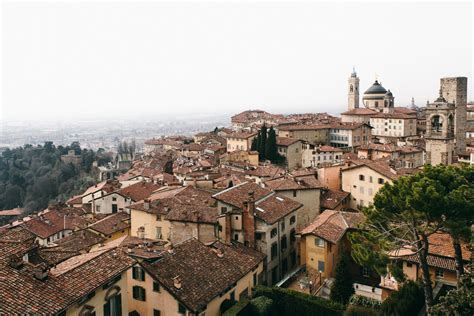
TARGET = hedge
x,y
353,310
408,300
241,308
289,302
262,306
363,301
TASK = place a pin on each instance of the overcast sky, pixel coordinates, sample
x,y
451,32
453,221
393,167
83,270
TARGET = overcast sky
x,y
93,59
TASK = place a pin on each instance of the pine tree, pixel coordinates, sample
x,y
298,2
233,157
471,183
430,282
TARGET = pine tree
x,y
271,151
262,142
343,286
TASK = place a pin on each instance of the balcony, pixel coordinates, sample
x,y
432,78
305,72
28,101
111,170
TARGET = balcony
x,y
389,282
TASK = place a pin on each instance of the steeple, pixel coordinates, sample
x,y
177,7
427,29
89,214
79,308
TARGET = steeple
x,y
353,93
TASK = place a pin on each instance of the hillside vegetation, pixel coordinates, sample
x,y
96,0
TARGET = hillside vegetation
x,y
33,176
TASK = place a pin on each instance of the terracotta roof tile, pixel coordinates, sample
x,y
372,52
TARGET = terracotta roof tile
x,y
112,223
190,262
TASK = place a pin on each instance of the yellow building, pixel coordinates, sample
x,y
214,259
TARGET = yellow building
x,y
194,279
315,134
363,178
440,259
324,240
292,150
112,227
250,157
240,141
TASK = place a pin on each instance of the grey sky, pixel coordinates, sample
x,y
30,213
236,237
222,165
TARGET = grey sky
x,y
85,59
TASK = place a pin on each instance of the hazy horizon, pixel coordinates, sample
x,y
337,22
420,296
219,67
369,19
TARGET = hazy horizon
x,y
117,59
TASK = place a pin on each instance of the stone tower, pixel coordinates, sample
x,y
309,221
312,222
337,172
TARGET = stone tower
x,y
353,91
440,131
455,91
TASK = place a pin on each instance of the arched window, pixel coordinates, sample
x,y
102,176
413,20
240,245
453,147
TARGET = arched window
x,y
436,123
451,125
376,104
352,89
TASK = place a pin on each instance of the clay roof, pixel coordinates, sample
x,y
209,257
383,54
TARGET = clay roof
x,y
139,191
381,166
112,223
299,127
54,221
293,183
22,293
203,275
328,149
107,186
12,212
237,195
394,115
270,171
441,252
77,199
243,135
360,111
332,225
389,148
275,207
285,141
78,240
348,125
330,199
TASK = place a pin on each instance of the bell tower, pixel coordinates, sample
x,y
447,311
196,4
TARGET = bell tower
x,y
440,135
353,93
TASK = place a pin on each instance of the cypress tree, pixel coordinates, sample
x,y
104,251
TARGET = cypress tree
x,y
263,142
271,151
254,146
342,288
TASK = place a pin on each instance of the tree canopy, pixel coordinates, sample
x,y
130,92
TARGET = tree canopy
x,y
33,176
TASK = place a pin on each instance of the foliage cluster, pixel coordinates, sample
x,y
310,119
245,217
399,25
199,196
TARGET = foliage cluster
x,y
358,300
408,300
266,145
33,176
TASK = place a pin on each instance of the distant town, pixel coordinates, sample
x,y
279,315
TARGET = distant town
x,y
364,213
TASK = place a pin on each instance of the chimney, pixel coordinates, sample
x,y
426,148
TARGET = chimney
x,y
228,228
170,248
146,204
16,262
248,221
40,272
177,282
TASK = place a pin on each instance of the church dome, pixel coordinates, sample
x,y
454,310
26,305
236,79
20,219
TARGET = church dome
x,y
376,88
389,93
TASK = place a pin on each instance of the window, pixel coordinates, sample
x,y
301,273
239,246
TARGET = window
x,y
381,181
113,306
156,287
439,273
138,273
320,266
274,250
139,293
361,177
158,218
294,193
409,264
97,208
292,220
293,235
259,235
273,233
156,312
223,210
283,226
232,296
319,242
370,179
283,243
181,309
114,199
255,278
158,233
236,236
361,190
365,272
114,208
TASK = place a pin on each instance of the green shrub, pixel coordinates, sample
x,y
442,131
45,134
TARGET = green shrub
x,y
408,300
289,302
360,311
242,308
363,301
261,306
